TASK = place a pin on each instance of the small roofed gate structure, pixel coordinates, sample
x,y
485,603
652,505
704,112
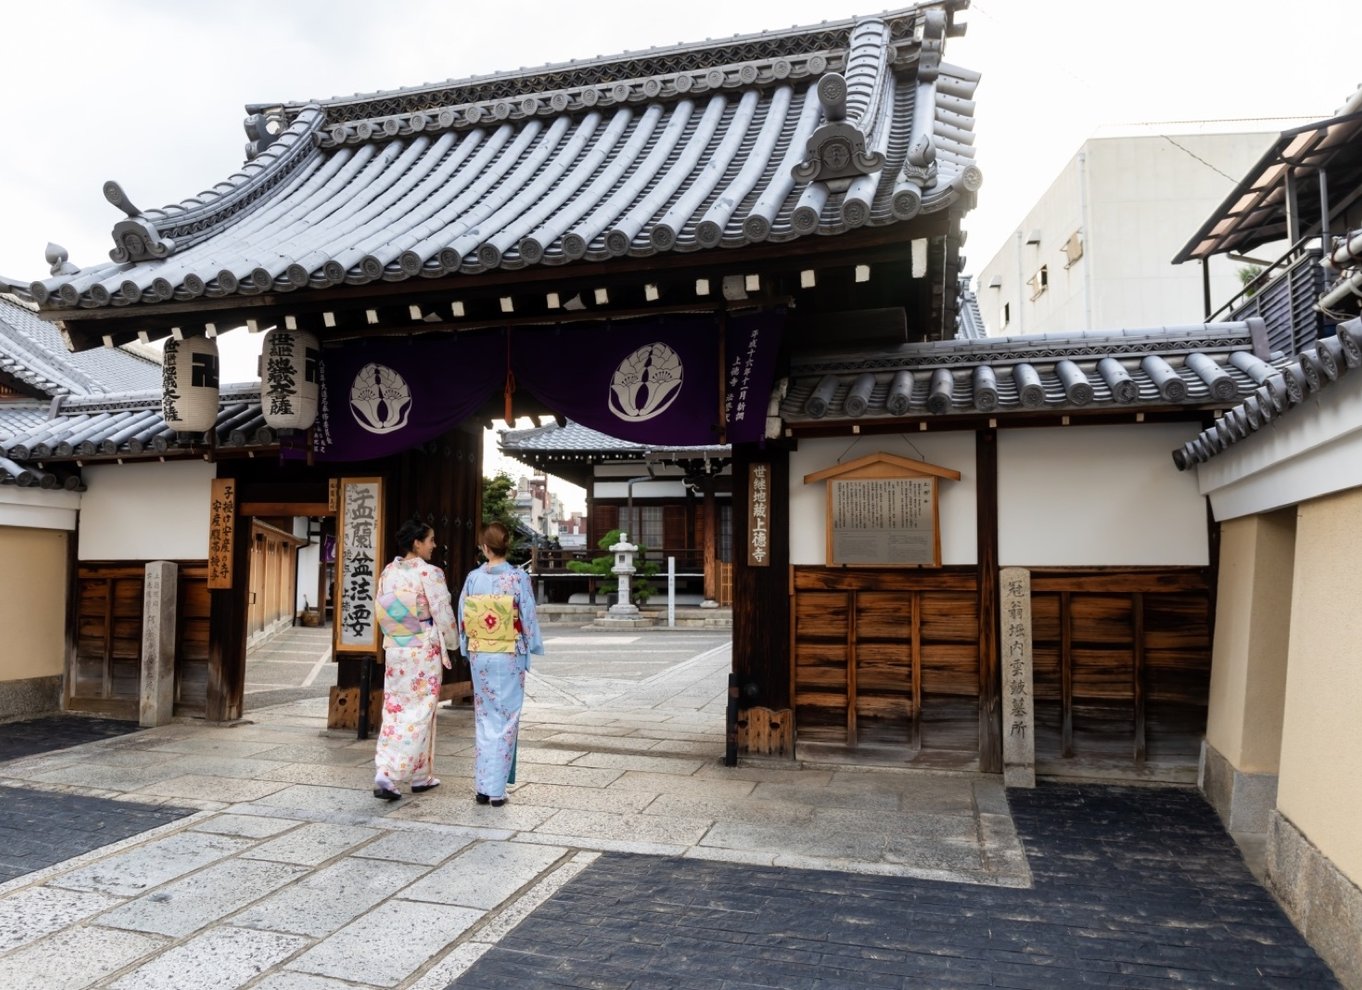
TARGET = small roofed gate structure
x,y
619,241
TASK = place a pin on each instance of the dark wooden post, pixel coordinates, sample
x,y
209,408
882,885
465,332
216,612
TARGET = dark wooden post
x,y
708,539
990,677
228,609
761,595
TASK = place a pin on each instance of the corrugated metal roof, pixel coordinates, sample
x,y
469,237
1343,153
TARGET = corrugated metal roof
x,y
1284,389
1198,366
769,138
33,352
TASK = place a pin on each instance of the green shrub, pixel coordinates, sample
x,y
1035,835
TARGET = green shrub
x,y
640,588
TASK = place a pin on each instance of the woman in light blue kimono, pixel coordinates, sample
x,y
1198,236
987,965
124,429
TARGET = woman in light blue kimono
x,y
498,631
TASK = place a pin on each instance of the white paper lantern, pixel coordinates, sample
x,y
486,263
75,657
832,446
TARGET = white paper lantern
x,y
189,379
290,379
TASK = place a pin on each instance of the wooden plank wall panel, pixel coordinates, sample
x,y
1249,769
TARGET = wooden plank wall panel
x,y
191,642
1136,647
821,656
913,638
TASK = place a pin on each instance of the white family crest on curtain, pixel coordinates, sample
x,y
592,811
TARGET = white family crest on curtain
x,y
380,399
646,383
189,384
289,379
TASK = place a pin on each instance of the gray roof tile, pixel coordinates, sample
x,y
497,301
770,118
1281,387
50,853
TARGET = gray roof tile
x,y
33,352
574,437
1278,391
678,150
1201,366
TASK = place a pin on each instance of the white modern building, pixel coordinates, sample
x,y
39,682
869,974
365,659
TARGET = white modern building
x,y
1096,250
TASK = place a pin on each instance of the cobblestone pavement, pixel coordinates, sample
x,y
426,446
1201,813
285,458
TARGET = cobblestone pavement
x,y
628,856
53,732
1133,888
39,828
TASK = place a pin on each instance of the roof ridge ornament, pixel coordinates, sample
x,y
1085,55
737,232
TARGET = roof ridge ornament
x,y
56,256
135,239
836,150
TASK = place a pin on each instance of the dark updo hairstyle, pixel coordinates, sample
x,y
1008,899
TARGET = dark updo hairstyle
x,y
496,538
410,532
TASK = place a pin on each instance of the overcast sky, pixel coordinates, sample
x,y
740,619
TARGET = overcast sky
x,y
152,94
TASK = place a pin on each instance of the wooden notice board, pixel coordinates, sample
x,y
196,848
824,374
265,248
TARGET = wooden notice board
x,y
221,523
359,559
882,511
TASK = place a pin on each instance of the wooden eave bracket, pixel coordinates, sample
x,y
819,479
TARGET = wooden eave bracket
x,y
882,465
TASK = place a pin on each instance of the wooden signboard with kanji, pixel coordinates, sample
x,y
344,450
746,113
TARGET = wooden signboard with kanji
x,y
359,558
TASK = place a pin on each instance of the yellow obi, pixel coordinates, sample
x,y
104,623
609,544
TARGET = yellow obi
x,y
489,621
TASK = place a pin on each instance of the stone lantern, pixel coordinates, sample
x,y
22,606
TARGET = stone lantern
x,y
624,567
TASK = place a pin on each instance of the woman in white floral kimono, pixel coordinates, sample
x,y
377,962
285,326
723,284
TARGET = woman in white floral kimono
x,y
417,619
498,630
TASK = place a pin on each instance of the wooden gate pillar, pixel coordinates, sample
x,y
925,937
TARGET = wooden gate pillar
x,y
761,589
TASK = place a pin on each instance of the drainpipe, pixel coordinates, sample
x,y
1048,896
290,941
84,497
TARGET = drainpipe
x,y
1021,320
1087,246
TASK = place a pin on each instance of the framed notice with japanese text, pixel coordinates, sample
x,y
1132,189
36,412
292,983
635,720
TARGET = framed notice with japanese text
x,y
882,512
759,515
359,559
221,524
883,521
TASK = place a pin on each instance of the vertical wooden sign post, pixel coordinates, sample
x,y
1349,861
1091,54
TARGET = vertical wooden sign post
x,y
359,557
221,520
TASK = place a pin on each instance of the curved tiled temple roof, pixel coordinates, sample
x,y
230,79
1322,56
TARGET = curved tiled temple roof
x,y
1203,366
114,426
573,437
32,353
1280,390
770,137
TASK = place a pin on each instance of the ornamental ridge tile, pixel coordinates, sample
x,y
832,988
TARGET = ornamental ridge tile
x,y
668,62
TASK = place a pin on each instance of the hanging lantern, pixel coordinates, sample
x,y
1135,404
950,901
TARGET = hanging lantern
x,y
290,377
189,380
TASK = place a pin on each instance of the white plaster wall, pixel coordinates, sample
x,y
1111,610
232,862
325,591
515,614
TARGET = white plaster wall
x,y
955,499
642,490
308,559
146,511
1096,496
34,508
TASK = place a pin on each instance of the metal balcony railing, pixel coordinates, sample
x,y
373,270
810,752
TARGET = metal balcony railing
x,y
1284,295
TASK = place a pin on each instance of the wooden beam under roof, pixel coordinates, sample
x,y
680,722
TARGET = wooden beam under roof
x,y
624,278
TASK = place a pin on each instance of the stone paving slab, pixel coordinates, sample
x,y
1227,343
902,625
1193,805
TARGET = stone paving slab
x,y
131,872
183,907
389,943
312,844
328,899
484,875
30,914
224,790
222,958
423,847
75,959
